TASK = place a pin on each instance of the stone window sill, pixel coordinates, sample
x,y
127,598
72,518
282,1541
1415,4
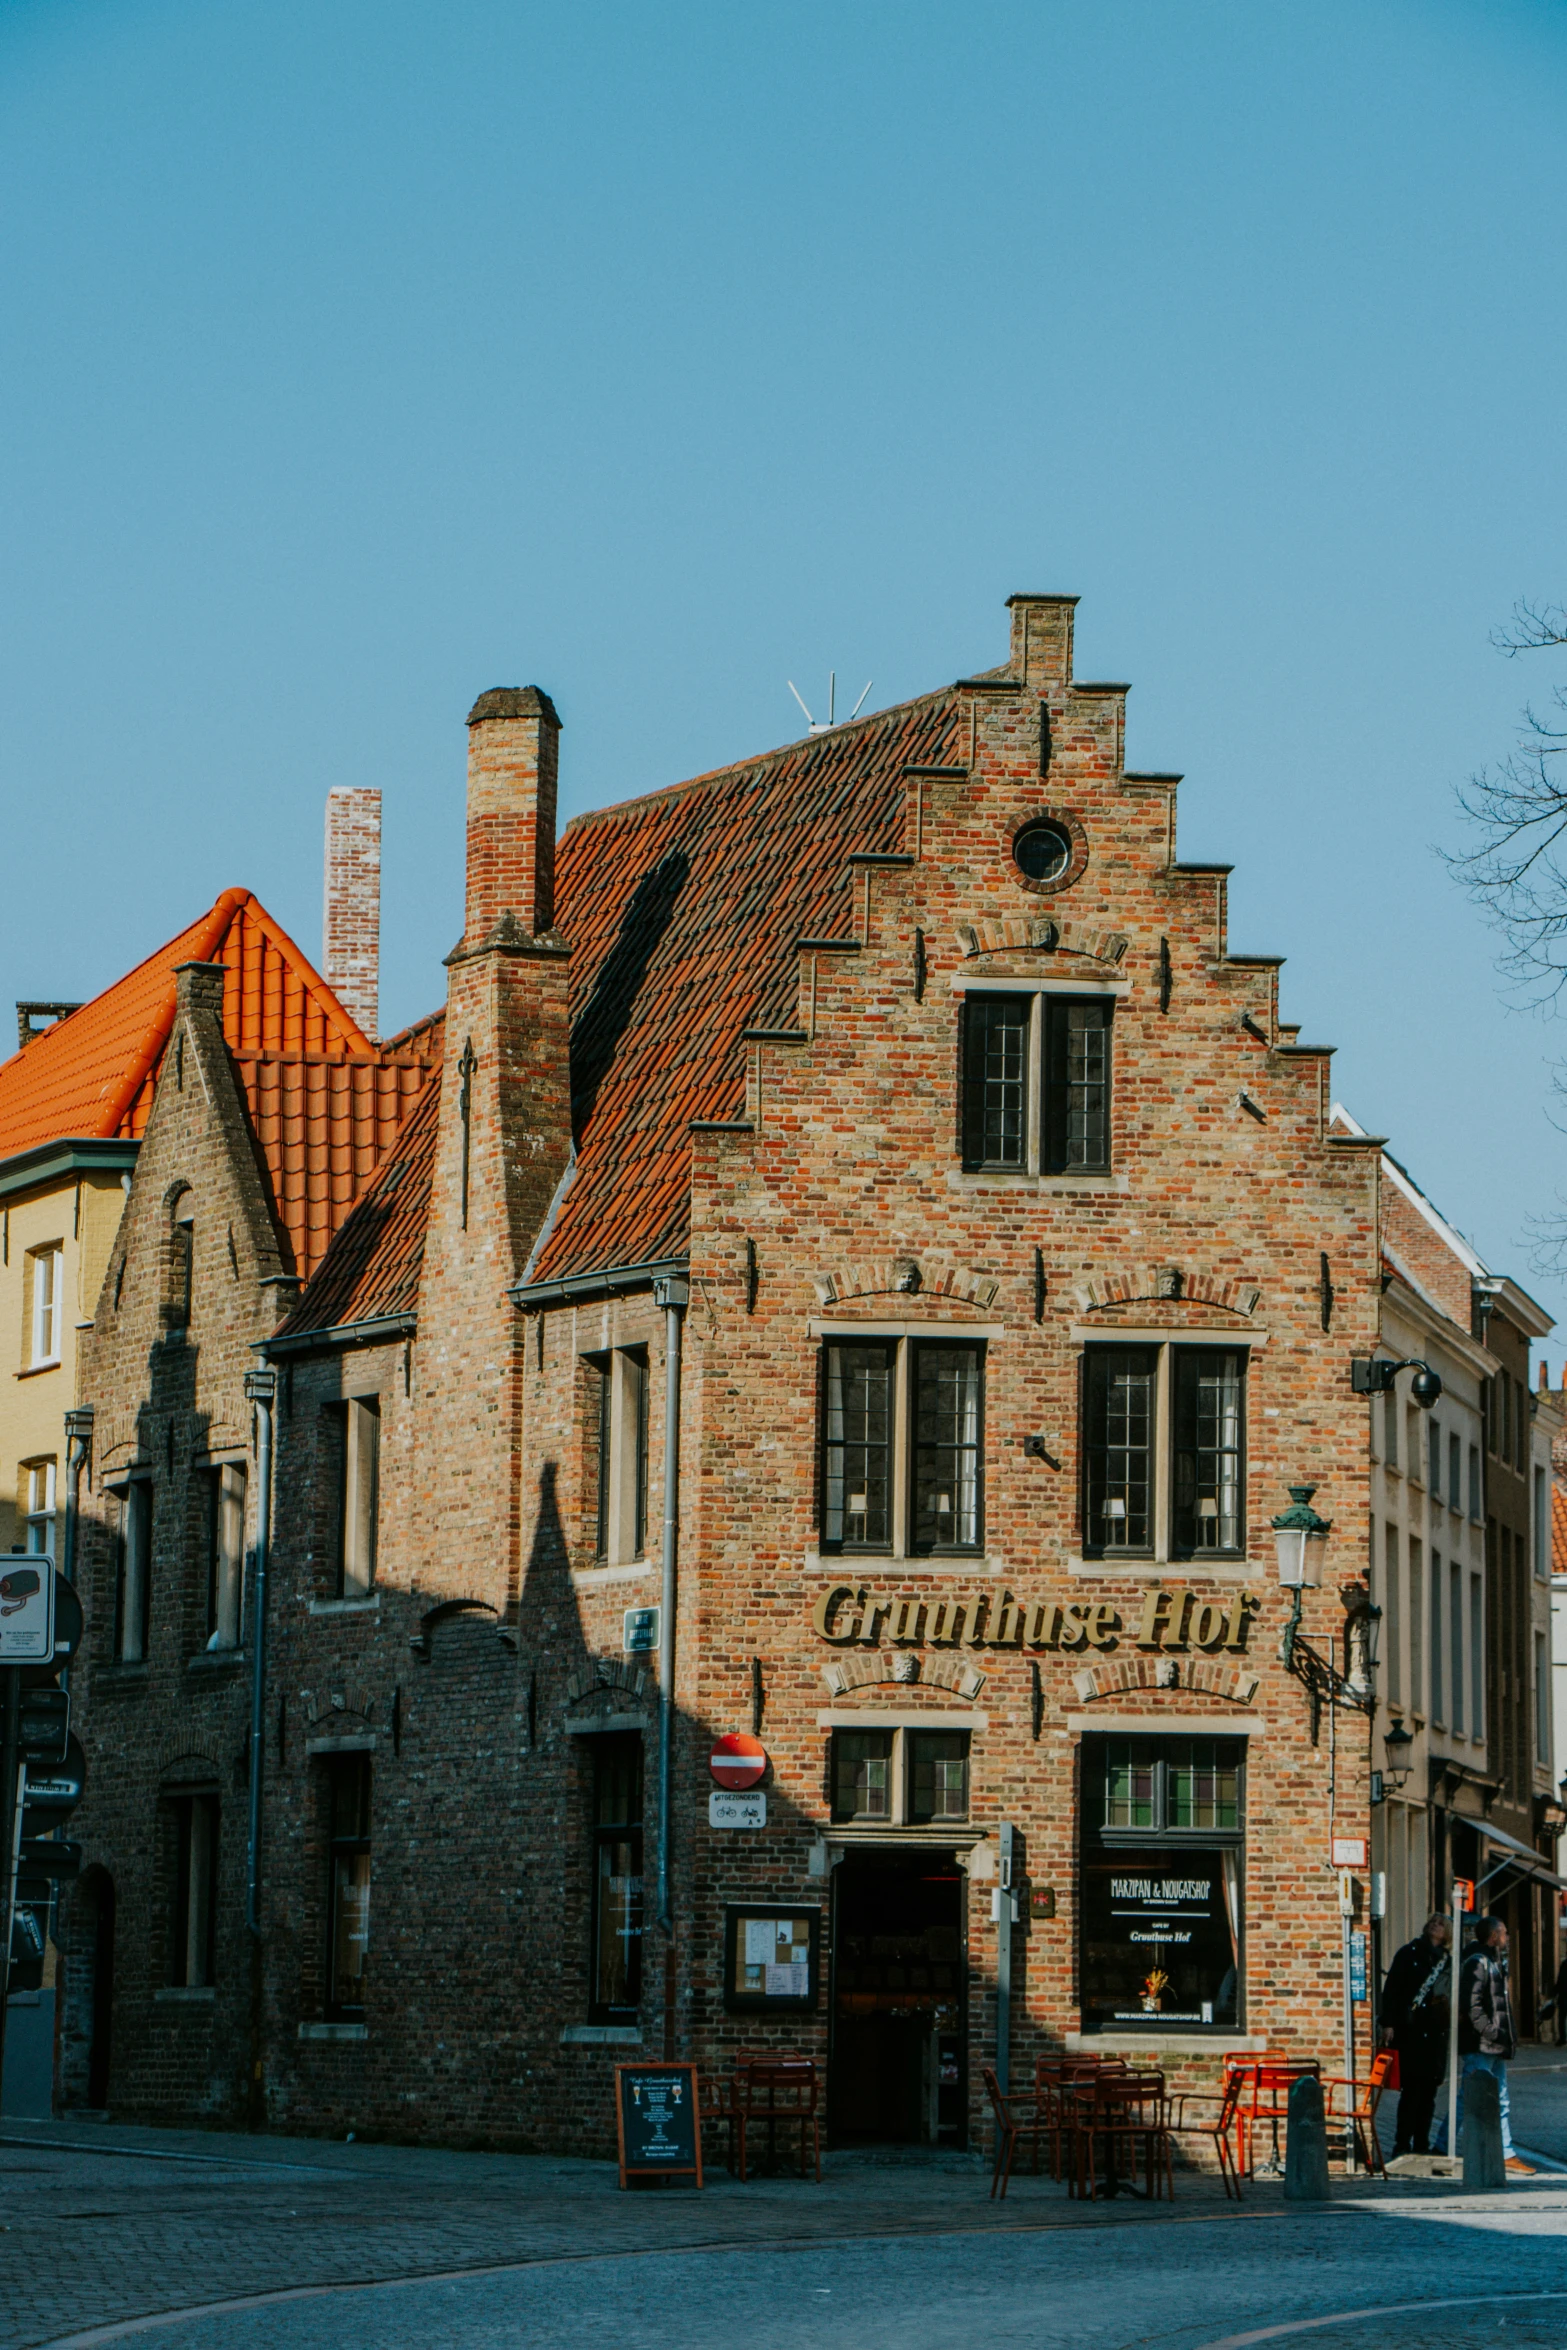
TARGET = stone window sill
x,y
1164,2043
601,2036
186,1994
369,1605
863,1566
120,1674
1005,1179
334,2032
37,1370
217,1660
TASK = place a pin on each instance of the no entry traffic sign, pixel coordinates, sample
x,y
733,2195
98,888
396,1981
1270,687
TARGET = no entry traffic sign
x,y
738,1760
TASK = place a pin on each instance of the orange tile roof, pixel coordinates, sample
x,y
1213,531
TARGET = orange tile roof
x,y
372,1268
325,1103
94,1072
1558,1529
682,910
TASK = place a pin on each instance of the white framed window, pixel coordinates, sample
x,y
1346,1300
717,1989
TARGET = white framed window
x,y
1542,1701
360,1496
39,1481
46,1273
225,1554
903,1437
133,1576
1164,1452
193,1884
615,1485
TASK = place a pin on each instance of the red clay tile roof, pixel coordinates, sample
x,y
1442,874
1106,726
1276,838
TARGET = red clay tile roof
x,y
1558,1529
372,1267
324,1126
94,1072
682,910
324,1101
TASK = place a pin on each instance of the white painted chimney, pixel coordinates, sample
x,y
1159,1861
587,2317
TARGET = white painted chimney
x,y
351,925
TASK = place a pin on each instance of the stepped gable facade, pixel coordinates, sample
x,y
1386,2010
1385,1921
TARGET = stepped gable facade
x,y
882,1135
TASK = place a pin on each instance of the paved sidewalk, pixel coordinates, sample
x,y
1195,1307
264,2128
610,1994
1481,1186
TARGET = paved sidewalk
x,y
103,2222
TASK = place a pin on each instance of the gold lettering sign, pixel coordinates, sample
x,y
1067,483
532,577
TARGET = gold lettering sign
x,y
1172,1617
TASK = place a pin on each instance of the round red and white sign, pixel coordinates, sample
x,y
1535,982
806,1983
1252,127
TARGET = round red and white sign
x,y
738,1760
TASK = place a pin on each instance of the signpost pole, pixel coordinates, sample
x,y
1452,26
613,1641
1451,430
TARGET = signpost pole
x,y
1452,2022
1347,1922
10,1841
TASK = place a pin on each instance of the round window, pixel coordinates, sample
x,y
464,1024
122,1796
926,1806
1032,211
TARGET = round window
x,y
1043,852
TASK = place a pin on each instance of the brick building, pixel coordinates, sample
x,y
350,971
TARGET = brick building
x,y
266,1111
1460,1568
74,1103
872,1264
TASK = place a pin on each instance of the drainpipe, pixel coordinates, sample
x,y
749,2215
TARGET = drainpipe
x,y
78,1452
261,1389
672,1294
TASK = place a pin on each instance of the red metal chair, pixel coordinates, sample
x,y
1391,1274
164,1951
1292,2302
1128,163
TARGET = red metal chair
x,y
1351,2108
1216,2130
1006,2134
1053,2076
1126,2117
782,2092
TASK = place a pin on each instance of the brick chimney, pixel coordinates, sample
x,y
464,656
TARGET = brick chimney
x,y
351,918
513,754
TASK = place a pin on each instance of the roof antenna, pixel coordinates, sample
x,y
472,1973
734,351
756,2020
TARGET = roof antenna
x,y
830,722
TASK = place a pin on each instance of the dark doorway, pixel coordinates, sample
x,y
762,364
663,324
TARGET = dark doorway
x,y
899,2000
87,1977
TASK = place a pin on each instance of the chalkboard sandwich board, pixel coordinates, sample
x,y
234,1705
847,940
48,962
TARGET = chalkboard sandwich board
x,y
658,2121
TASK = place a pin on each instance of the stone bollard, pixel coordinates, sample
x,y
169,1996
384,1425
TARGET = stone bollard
x,y
1306,2147
1484,2167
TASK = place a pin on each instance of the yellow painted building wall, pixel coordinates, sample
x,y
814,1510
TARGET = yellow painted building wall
x,y
79,1212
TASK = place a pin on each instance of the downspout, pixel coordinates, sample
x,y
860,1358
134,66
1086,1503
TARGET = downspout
x,y
261,1392
261,1389
672,1294
78,1452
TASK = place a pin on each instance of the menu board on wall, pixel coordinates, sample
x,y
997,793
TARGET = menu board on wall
x,y
770,1958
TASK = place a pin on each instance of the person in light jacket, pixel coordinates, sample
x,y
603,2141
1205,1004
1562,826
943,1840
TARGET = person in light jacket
x,y
1486,2038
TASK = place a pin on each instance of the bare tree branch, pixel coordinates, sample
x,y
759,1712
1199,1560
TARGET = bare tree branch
x,y
1517,813
1533,628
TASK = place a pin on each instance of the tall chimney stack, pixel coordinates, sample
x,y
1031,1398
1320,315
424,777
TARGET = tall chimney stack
x,y
351,923
513,754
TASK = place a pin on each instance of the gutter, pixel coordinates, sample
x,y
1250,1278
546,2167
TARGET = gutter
x,y
574,1288
375,1326
73,1155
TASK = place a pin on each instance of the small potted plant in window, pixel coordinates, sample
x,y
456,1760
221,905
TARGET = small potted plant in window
x,y
1154,1988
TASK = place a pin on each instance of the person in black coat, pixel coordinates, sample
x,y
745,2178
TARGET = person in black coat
x,y
1416,2015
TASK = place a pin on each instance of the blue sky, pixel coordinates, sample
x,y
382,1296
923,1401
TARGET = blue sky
x,y
356,358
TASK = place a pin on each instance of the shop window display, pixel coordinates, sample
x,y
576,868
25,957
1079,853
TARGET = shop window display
x,y
1163,1884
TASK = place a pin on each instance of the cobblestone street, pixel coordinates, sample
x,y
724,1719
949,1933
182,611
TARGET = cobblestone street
x,y
109,2230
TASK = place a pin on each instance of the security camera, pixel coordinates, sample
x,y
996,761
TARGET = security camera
x,y
1425,1387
